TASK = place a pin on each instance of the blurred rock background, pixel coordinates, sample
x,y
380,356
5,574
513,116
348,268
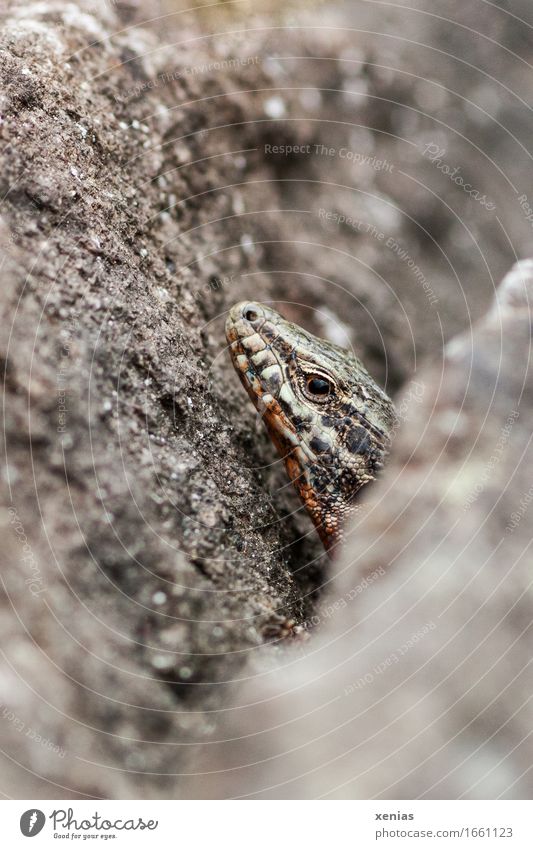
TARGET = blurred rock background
x,y
366,166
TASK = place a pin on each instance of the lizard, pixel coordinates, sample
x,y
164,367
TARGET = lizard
x,y
329,420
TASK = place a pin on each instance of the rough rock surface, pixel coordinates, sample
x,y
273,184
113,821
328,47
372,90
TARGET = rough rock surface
x,y
417,681
151,547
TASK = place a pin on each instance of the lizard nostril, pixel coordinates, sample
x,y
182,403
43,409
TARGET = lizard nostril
x,y
250,313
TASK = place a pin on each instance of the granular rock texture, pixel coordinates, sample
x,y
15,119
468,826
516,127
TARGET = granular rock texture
x,y
416,683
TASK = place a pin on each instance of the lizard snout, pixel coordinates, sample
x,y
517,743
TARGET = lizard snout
x,y
245,319
250,311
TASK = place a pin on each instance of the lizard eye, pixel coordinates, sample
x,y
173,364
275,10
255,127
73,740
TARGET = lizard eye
x,y
319,386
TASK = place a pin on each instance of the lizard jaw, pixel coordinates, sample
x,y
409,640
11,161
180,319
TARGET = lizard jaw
x,y
262,376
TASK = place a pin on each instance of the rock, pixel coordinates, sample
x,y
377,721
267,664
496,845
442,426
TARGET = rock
x,y
415,683
152,548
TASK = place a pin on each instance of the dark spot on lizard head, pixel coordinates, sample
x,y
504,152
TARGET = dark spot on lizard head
x,y
287,408
319,445
269,332
300,423
340,424
358,441
346,410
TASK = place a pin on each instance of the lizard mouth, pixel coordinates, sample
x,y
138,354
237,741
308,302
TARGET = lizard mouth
x,y
250,329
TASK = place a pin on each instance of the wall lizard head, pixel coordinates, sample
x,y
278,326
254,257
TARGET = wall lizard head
x,y
328,419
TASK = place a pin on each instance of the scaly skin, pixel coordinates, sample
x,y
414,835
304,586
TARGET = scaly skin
x,y
327,417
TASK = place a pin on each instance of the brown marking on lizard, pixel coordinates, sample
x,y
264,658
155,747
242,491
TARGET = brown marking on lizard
x,y
328,419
